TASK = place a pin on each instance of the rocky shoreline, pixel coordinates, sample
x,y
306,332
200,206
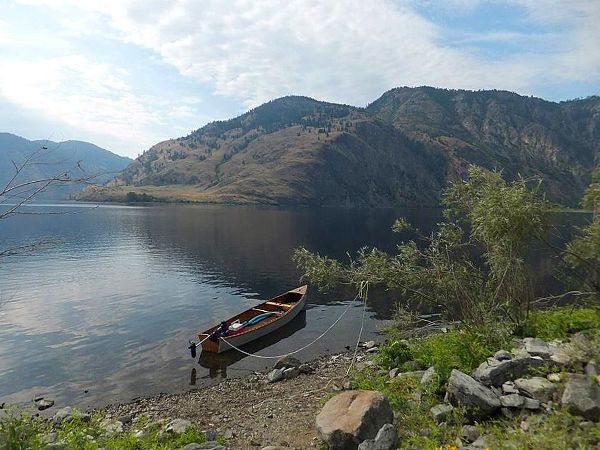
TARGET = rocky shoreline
x,y
308,405
252,412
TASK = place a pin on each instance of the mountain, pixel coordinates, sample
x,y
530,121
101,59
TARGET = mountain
x,y
80,159
400,150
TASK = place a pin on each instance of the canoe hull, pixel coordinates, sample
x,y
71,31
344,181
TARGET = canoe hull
x,y
259,330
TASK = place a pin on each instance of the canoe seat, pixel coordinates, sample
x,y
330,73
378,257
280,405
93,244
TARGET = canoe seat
x,y
284,306
261,310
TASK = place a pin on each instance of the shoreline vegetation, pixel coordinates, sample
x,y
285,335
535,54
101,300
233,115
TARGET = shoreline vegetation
x,y
514,371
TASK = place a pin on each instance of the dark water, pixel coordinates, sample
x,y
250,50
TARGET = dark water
x,y
103,311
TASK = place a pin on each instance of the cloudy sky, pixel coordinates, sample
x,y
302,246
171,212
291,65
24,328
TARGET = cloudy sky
x,y
126,74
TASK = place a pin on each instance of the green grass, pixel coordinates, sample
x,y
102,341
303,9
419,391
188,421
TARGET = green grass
x,y
18,430
558,323
557,431
458,349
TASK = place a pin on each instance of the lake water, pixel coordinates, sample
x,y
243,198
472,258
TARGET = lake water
x,y
103,310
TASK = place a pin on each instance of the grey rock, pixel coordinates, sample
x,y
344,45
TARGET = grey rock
x,y
286,362
582,397
290,373
517,401
178,426
512,401
372,350
480,442
42,404
502,355
495,373
111,426
536,387
386,439
210,445
531,403
125,419
394,372
273,447
509,388
439,413
428,376
352,417
275,375
591,369
561,358
62,414
480,400
370,344
306,368
537,347
470,433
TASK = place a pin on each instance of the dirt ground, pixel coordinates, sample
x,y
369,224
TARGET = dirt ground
x,y
250,412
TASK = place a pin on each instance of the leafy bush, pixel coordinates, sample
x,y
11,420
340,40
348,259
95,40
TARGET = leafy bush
x,y
462,349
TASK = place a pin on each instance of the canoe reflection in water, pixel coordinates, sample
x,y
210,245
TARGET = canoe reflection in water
x,y
217,363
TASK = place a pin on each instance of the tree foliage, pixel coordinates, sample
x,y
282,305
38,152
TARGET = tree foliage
x,y
582,254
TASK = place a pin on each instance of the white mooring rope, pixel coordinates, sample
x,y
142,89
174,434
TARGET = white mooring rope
x,y
301,348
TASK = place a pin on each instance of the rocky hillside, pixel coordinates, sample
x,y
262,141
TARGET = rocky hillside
x,y
400,150
80,159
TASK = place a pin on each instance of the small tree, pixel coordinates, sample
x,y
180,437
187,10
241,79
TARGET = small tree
x,y
472,265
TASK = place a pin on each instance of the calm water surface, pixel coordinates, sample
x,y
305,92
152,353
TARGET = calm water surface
x,y
102,312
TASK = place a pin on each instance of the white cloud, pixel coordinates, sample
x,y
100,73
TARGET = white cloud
x,y
82,93
254,50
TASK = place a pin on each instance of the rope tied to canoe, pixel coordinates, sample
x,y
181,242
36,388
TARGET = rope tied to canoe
x,y
314,341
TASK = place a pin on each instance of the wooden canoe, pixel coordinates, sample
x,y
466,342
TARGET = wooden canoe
x,y
285,306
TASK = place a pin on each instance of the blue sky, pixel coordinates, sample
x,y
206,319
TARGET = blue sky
x,y
126,74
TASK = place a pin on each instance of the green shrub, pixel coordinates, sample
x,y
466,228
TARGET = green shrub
x,y
462,349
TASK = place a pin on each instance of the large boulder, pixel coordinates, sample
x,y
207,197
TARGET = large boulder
x,y
582,397
494,372
536,387
386,439
479,400
352,417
